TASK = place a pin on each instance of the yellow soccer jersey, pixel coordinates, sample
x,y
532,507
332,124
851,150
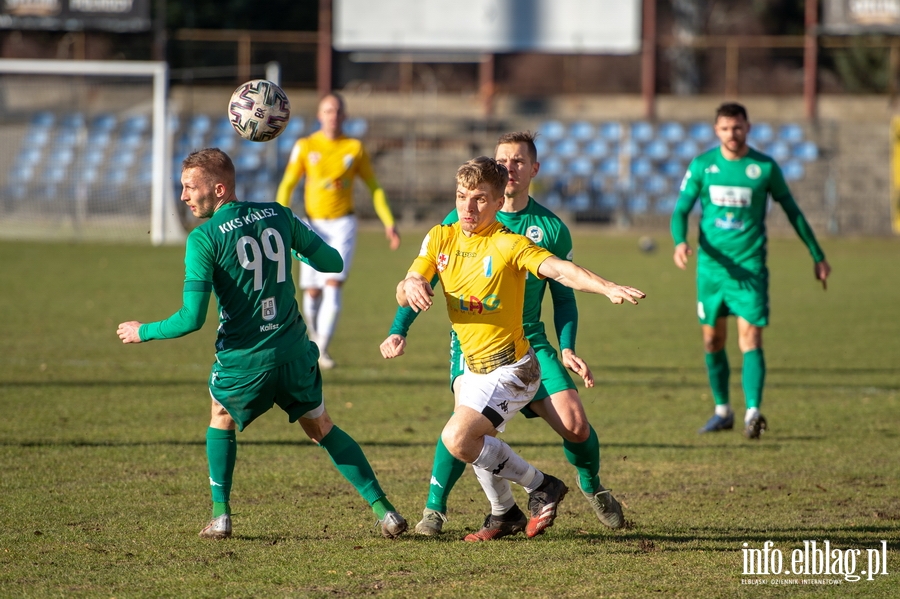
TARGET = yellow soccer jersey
x,y
483,279
330,167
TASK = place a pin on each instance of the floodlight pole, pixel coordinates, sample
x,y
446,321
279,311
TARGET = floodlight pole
x,y
810,58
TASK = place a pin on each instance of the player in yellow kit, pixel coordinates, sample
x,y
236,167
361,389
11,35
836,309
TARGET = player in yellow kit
x,y
482,267
330,161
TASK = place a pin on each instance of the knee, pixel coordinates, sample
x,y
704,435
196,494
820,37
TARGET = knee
x,y
578,432
713,344
455,441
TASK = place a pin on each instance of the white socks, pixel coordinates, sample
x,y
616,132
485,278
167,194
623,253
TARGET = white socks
x,y
497,490
750,415
311,313
723,410
328,315
500,460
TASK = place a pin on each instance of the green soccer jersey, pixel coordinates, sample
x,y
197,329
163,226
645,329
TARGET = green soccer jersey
x,y
733,200
548,231
243,253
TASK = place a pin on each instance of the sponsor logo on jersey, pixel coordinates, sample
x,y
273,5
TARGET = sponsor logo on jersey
x,y
443,260
488,267
504,405
753,171
251,217
423,251
478,305
534,233
272,326
269,311
711,169
730,223
314,157
462,254
729,196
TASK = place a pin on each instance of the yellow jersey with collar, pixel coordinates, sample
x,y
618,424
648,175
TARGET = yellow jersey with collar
x,y
483,281
330,166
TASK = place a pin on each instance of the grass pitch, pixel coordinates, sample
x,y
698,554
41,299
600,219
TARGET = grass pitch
x,y
103,479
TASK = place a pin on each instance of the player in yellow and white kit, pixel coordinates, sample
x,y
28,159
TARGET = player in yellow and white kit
x,y
482,267
331,162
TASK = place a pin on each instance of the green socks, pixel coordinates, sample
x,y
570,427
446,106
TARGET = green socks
x,y
753,377
351,462
718,370
445,471
586,459
221,452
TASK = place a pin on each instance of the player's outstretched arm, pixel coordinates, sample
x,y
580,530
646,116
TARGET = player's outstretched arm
x,y
415,291
393,346
128,331
581,279
578,366
682,252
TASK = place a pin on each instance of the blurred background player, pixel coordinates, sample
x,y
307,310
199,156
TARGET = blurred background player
x,y
331,161
557,400
732,183
263,355
482,267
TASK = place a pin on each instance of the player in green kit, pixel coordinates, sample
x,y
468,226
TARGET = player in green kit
x,y
733,182
263,354
557,400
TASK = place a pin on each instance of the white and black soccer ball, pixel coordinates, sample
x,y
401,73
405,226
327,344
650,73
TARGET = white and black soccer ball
x,y
647,244
259,110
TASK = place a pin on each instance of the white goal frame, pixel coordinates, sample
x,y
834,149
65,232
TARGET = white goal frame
x,y
165,227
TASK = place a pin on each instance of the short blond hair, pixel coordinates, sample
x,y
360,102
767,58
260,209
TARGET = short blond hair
x,y
216,165
483,170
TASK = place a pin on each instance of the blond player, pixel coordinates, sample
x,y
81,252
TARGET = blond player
x,y
330,161
482,267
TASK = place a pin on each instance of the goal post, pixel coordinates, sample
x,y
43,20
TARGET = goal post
x,y
68,165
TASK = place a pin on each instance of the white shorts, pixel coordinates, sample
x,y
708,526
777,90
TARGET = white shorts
x,y
501,393
339,233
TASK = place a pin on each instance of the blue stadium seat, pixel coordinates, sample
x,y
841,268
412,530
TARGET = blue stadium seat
x,y
61,155
540,144
123,159
139,123
355,127
656,150
131,139
294,127
596,149
581,131
806,151
655,184
552,200
793,170
642,131
610,131
223,126
702,133
761,133
630,147
94,155
641,167
792,133
98,138
581,166
224,141
55,173
552,130
672,168
579,202
638,204
29,156
73,120
780,151
552,166
199,124
608,201
105,121
43,119
247,161
686,150
671,132
665,205
567,148
610,167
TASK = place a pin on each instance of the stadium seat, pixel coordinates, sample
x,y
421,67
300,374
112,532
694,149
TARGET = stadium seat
x,y
73,120
642,131
637,204
665,205
105,121
686,150
792,133
43,119
610,131
552,200
355,127
123,159
581,166
608,201
566,148
552,166
581,131
552,130
760,133
294,127
671,132
702,133
806,151
672,168
61,155
655,184
780,151
656,150
641,167
793,170
139,123
630,147
199,124
93,156
224,141
579,202
540,144
29,156
248,161
610,167
595,149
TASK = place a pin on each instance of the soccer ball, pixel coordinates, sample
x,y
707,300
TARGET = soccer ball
x,y
647,244
259,110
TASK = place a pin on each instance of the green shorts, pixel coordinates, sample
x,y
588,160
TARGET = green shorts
x,y
554,376
719,295
296,387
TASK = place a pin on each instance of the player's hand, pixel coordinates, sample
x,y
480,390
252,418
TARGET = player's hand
x,y
682,252
418,293
822,270
128,332
619,294
578,366
393,346
393,237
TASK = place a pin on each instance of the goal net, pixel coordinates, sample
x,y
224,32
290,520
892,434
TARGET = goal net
x,y
85,152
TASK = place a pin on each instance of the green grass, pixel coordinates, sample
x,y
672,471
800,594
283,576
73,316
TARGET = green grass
x,y
103,482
